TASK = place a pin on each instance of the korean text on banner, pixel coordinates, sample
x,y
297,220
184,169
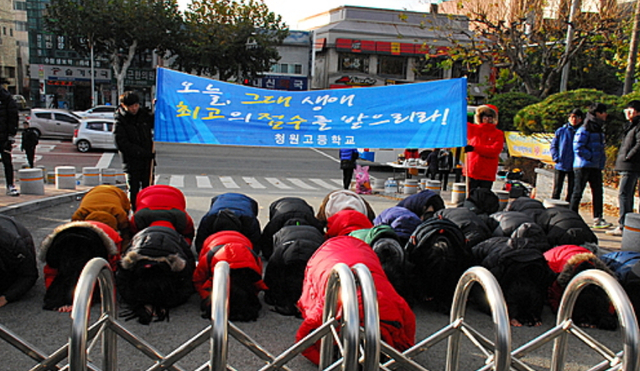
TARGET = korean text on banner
x,y
535,146
193,109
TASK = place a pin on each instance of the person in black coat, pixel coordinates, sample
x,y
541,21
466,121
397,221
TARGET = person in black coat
x,y
628,163
8,130
18,269
134,138
155,274
29,142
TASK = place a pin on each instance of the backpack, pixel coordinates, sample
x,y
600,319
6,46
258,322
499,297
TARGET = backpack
x,y
437,256
443,161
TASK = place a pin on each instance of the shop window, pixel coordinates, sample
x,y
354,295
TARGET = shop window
x,y
352,62
392,66
460,70
429,69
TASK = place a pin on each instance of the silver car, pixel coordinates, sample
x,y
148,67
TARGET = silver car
x,y
55,123
94,133
97,111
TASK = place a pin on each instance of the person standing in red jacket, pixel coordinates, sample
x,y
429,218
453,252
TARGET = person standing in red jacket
x,y
484,144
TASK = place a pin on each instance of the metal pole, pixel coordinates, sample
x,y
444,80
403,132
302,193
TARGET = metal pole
x,y
93,83
565,70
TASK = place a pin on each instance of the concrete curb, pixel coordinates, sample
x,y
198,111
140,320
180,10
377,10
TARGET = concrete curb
x,y
50,201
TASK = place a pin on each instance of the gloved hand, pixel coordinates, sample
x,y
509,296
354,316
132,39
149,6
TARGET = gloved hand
x,y
468,148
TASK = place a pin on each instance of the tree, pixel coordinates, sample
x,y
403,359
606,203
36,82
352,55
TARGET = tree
x,y
524,38
116,29
233,39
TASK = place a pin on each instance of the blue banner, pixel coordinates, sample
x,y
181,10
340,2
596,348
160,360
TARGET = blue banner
x,y
192,109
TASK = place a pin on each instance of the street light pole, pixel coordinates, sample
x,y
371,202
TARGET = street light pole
x,y
93,83
565,70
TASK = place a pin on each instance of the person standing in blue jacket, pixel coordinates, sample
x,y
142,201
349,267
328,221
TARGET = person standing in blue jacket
x,y
348,157
589,160
562,154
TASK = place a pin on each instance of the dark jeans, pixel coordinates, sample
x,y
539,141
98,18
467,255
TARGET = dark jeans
x,y
8,167
594,177
626,190
31,154
558,182
444,178
477,183
347,175
137,180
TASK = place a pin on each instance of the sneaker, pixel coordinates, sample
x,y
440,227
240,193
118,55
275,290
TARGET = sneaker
x,y
12,191
600,223
616,232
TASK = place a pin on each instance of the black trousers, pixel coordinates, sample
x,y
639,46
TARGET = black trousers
x,y
444,178
558,182
477,183
592,176
8,167
137,180
347,175
31,154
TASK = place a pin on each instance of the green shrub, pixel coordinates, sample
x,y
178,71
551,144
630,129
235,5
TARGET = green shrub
x,y
508,106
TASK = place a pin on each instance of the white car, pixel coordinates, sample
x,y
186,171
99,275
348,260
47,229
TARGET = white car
x,y
95,133
106,112
55,123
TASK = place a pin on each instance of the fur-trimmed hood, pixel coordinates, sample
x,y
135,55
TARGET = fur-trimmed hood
x,y
110,238
577,264
159,244
175,261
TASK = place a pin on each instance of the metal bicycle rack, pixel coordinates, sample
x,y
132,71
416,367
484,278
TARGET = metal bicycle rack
x,y
628,359
497,360
344,329
359,347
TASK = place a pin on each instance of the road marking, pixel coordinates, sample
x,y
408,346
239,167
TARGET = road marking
x,y
301,184
277,183
105,160
228,182
325,155
177,181
253,182
337,181
322,183
203,181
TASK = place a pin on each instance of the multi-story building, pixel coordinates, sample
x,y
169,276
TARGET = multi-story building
x,y
293,69
359,46
8,49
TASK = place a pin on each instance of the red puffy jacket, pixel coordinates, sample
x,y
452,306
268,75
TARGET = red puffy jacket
x,y
558,258
487,141
236,249
165,206
397,321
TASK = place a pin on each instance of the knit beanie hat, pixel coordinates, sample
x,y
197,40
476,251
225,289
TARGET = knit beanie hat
x,y
129,98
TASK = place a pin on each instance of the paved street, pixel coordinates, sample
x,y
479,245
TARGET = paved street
x,y
276,333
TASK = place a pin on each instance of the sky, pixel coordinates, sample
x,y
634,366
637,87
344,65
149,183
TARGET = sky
x,y
294,10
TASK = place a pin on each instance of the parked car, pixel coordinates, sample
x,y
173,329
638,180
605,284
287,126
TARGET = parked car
x,y
97,111
95,134
56,123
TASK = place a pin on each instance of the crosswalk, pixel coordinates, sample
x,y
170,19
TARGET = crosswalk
x,y
236,183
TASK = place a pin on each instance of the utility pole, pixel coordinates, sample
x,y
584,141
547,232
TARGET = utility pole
x,y
633,52
567,47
